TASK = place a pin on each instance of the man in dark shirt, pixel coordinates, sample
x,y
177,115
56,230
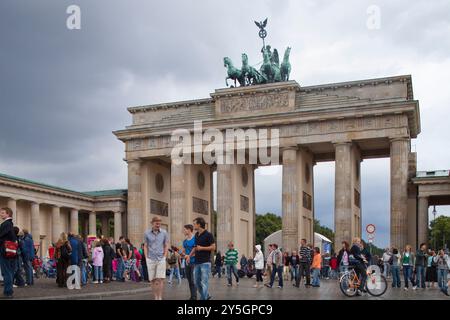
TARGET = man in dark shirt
x,y
305,257
204,245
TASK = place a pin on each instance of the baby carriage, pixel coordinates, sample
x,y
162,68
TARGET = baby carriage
x,y
37,267
49,268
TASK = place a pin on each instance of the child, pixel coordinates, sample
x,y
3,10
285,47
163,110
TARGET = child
x,y
317,261
97,260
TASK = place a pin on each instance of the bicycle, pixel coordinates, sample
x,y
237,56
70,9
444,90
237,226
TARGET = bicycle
x,y
376,284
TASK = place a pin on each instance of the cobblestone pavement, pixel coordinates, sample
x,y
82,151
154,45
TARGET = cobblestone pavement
x,y
329,290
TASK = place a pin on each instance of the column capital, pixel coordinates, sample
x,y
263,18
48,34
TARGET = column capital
x,y
422,196
287,148
137,160
341,142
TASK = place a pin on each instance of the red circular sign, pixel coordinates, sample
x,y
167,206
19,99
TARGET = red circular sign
x,y
370,228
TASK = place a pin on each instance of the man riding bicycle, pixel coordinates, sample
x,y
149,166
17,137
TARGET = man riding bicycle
x,y
358,261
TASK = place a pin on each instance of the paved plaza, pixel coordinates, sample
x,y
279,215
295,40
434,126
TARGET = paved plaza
x,y
45,289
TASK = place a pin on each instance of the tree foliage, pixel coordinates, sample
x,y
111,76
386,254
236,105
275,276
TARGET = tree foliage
x,y
266,225
439,234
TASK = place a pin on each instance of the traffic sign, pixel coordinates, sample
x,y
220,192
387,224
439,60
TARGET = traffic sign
x,y
370,228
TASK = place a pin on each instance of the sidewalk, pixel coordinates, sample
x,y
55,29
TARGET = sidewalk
x,y
47,289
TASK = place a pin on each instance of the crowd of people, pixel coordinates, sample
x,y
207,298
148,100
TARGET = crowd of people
x,y
104,260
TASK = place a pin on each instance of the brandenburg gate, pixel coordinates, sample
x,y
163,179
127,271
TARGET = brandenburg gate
x,y
342,122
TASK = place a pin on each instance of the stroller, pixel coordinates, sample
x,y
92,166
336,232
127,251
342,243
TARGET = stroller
x,y
37,267
49,268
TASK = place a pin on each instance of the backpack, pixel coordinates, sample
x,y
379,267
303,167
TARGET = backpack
x,y
65,252
172,259
391,260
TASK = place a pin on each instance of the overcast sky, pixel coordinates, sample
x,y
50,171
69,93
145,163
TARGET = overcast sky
x,y
62,92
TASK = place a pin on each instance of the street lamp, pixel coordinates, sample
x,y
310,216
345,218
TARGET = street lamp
x,y
434,226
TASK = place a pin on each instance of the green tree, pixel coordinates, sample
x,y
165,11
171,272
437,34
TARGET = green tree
x,y
439,235
266,225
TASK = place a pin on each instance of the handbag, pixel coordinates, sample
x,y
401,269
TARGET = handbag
x,y
11,248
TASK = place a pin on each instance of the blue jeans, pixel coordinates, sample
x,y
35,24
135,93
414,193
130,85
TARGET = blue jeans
x,y
395,270
8,266
442,278
219,271
407,275
177,274
120,269
83,273
420,280
276,270
316,277
201,275
98,271
231,268
28,267
294,271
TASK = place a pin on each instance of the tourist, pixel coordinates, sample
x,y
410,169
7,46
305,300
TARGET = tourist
x,y
286,269
420,265
268,272
365,252
75,256
97,261
407,261
188,246
182,268
108,256
359,261
259,265
18,280
326,266
136,275
156,245
128,260
120,256
131,265
231,259
394,263
63,252
431,274
244,263
334,267
386,265
143,263
205,244
294,261
442,262
305,263
7,265
218,264
316,266
28,256
84,260
173,260
277,267
343,257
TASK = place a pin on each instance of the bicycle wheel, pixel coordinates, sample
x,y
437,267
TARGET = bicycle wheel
x,y
376,285
347,285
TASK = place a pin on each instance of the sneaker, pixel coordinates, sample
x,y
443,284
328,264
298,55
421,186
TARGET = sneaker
x,y
280,287
406,289
415,288
14,286
101,281
255,286
229,284
237,284
268,286
95,282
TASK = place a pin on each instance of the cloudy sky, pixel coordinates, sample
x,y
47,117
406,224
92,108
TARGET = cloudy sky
x,y
62,92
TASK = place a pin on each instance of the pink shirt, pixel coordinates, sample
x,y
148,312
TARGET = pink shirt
x,y
97,257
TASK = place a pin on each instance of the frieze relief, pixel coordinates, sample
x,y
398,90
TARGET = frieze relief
x,y
255,103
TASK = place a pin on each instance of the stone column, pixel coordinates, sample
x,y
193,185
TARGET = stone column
x,y
74,221
224,206
117,225
92,223
177,203
12,204
399,192
290,200
35,222
56,223
422,221
105,226
135,219
343,193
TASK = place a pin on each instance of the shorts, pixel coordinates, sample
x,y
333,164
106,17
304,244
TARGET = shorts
x,y
156,269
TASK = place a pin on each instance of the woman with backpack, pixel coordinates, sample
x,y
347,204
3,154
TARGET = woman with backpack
x,y
63,251
173,260
431,275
